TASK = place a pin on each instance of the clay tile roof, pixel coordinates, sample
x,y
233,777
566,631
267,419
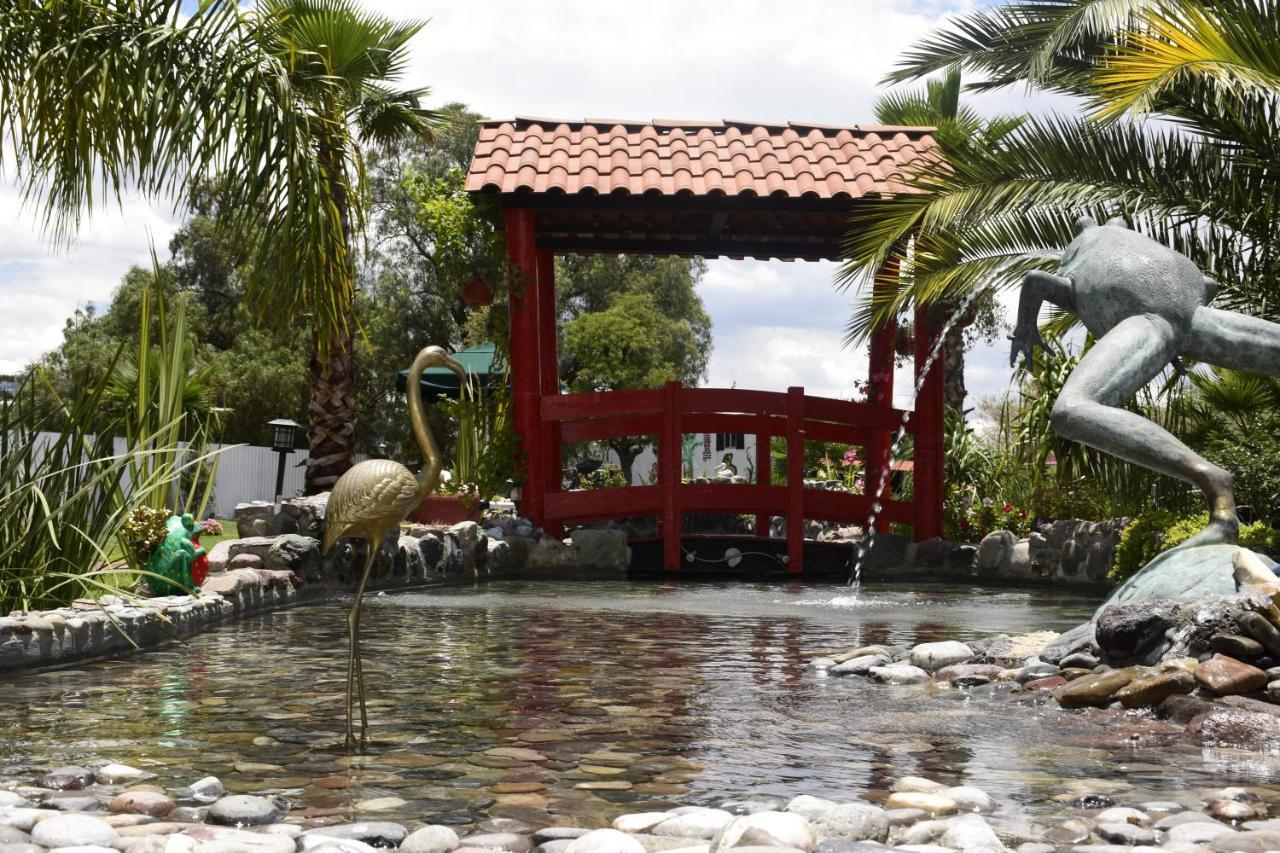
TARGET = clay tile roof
x,y
723,158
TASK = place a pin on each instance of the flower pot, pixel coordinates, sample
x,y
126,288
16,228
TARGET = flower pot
x,y
446,509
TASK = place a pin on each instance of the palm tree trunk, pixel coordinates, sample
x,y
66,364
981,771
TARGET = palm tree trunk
x,y
953,389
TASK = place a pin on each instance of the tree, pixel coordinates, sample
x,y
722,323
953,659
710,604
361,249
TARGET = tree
x,y
112,93
630,322
959,130
1206,187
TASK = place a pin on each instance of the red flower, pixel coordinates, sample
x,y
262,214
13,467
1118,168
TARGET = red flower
x,y
1008,507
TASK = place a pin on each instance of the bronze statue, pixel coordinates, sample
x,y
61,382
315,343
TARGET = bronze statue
x,y
1147,305
371,499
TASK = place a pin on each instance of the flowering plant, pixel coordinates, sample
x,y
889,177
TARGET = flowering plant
x,y
211,527
968,518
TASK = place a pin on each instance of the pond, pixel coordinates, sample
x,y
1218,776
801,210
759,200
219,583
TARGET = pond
x,y
573,702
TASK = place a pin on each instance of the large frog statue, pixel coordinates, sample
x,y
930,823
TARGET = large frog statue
x,y
176,557
1147,305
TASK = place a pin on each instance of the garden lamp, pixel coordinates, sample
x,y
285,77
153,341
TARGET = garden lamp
x,y
284,437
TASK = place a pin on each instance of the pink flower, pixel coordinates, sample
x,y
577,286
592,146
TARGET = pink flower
x,y
851,456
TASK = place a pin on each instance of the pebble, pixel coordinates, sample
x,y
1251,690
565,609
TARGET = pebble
x,y
1093,690
245,810
918,784
114,774
968,674
1198,832
1231,810
1081,660
898,673
1154,689
1123,814
71,778
1235,645
1260,628
935,804
142,802
859,665
968,798
1125,833
605,841
701,823
640,821
935,656
766,829
970,833
511,841
376,833
852,822
430,839
808,806
70,829
1227,676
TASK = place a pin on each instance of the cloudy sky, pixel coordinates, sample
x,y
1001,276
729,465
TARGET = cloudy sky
x,y
776,324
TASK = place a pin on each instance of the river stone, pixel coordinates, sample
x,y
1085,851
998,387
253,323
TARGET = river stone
x,y
934,656
1226,676
512,841
601,549
323,844
1252,841
1223,726
809,807
969,798
70,801
918,784
968,674
1154,689
1182,709
1232,811
859,665
766,829
1197,833
430,839
243,810
1079,660
995,553
1249,569
147,803
699,823
1123,814
376,833
67,830
1235,645
1125,833
1261,631
115,774
1094,690
639,821
935,804
604,841
1181,574
898,673
1080,637
851,822
860,652
1128,633
970,833
70,778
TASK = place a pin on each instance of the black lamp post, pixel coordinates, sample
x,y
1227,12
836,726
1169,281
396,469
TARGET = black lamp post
x,y
284,437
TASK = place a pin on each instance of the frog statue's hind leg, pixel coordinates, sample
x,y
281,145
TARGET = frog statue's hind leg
x,y
1089,410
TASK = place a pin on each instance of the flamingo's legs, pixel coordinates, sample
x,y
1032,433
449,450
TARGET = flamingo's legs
x,y
355,671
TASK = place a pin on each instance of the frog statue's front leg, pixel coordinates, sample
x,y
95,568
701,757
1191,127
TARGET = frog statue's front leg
x,y
1038,288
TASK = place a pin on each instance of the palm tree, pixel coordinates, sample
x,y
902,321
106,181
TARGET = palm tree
x,y
959,129
1202,181
101,95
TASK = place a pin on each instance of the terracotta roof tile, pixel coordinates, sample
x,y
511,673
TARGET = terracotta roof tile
x,y
702,157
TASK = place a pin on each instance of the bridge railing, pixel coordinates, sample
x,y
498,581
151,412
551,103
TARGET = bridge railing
x,y
671,412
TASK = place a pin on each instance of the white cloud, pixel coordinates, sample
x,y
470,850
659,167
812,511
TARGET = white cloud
x,y
808,60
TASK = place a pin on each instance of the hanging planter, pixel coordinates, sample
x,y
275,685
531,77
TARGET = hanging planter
x,y
477,293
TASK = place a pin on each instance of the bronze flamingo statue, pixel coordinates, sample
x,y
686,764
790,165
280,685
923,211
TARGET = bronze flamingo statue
x,y
371,499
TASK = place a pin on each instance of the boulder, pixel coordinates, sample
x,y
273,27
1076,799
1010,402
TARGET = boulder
x,y
551,553
255,518
304,515
601,549
1129,633
295,553
995,553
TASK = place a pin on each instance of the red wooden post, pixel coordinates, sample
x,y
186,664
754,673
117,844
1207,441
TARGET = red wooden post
x,y
669,446
880,373
927,471
795,480
526,383
549,379
764,477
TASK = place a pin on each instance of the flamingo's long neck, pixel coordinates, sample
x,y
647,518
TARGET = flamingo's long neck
x,y
429,474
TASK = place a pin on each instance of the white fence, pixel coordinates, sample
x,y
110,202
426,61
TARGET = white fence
x,y
245,473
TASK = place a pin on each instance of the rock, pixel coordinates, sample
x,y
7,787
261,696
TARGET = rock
x,y
295,553
934,804
1235,645
1125,833
701,823
971,833
1013,651
898,673
142,802
810,807
1221,726
245,561
1261,631
995,553
70,801
1182,709
639,822
68,830
935,656
551,553
203,791
71,778
1128,633
1154,689
851,822
601,549
604,841
766,829
1232,811
115,774
1197,833
859,665
1249,570
243,810
1053,682
430,839
1093,690
969,798
1226,676
511,841
1253,841
323,844
1123,814
1078,638
1081,660
375,833
918,784
1182,574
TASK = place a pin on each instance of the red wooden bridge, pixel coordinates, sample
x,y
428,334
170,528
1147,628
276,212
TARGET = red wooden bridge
x,y
709,189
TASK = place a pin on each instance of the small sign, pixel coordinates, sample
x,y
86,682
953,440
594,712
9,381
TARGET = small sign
x,y
706,446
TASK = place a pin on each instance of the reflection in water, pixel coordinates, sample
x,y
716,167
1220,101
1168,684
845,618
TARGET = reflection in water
x,y
575,702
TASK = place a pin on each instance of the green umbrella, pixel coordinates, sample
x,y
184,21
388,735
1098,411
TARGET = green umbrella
x,y
442,382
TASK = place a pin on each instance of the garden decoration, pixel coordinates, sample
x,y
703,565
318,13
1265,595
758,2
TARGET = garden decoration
x,y
176,557
1147,305
371,499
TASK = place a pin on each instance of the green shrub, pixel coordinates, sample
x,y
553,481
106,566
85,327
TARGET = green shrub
x,y
1157,530
607,476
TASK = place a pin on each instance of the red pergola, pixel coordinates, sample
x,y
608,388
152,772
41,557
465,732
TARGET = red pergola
x,y
715,188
